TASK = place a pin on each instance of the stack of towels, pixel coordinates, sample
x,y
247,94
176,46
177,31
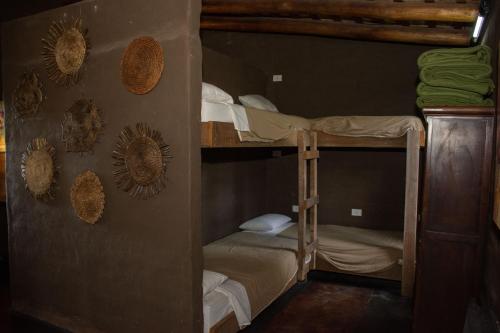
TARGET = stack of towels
x,y
455,77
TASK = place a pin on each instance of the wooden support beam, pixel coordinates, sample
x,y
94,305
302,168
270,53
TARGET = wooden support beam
x,y
403,34
310,202
394,11
302,187
313,183
310,155
410,213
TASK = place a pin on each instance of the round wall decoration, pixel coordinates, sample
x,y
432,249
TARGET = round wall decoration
x,y
87,197
65,50
28,95
140,161
81,126
142,65
38,168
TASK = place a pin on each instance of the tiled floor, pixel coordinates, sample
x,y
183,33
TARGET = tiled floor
x,y
327,303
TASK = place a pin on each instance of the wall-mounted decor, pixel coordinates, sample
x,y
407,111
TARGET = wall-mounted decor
x,y
81,126
65,50
38,168
140,161
28,95
142,65
87,197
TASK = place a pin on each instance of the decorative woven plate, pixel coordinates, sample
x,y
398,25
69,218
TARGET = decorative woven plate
x,y
81,126
38,168
87,197
28,95
142,65
140,161
65,50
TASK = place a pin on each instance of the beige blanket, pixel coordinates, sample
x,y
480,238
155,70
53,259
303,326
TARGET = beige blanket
x,y
265,265
268,126
356,250
370,126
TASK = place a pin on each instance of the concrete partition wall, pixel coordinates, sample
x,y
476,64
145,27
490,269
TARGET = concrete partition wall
x,y
139,268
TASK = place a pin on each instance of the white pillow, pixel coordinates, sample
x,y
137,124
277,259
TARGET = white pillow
x,y
211,93
266,222
212,280
257,102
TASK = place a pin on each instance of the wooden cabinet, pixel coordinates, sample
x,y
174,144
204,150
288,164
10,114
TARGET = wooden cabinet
x,y
455,205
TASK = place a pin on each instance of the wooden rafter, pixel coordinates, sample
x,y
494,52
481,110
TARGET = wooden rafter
x,y
378,32
394,11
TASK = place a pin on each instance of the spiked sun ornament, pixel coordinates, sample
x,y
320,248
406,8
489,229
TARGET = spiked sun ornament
x,y
65,50
28,95
38,169
140,161
81,126
87,197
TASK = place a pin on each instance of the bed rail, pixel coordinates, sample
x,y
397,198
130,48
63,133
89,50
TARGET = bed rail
x,y
308,155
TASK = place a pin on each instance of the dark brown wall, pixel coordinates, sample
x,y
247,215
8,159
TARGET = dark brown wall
x,y
345,182
326,76
139,268
234,189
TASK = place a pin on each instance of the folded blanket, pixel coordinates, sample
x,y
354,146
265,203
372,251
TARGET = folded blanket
x,y
480,54
439,96
464,76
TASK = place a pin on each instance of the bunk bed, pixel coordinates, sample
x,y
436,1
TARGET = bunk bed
x,y
307,138
419,22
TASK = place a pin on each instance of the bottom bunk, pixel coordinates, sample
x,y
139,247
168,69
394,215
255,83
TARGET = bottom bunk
x,y
265,265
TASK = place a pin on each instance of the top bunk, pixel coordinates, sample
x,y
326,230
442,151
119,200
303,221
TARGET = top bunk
x,y
223,135
225,124
441,22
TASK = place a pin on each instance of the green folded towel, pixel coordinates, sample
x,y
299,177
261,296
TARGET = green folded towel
x,y
464,76
478,54
433,96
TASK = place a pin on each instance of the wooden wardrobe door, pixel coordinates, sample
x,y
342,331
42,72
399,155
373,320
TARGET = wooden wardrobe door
x,y
454,215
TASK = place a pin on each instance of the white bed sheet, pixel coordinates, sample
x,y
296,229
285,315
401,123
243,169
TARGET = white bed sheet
x,y
225,113
229,297
216,306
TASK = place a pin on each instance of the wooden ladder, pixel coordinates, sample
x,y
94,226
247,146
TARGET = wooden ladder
x,y
308,155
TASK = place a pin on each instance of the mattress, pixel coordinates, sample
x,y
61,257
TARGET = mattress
x,y
264,264
254,125
356,250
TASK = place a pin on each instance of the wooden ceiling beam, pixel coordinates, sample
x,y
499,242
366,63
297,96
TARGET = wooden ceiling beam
x,y
403,34
396,11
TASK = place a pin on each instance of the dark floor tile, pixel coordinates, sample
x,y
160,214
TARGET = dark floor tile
x,y
332,303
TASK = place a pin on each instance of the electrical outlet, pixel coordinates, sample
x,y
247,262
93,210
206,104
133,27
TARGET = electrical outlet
x,y
278,78
295,208
356,212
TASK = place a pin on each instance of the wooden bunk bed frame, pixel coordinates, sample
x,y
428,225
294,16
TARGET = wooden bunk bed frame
x,y
223,135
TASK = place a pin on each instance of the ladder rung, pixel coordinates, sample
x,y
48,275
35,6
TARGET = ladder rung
x,y
308,203
311,247
310,155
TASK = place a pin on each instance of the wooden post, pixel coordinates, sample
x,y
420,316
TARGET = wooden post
x,y
410,213
313,213
302,274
